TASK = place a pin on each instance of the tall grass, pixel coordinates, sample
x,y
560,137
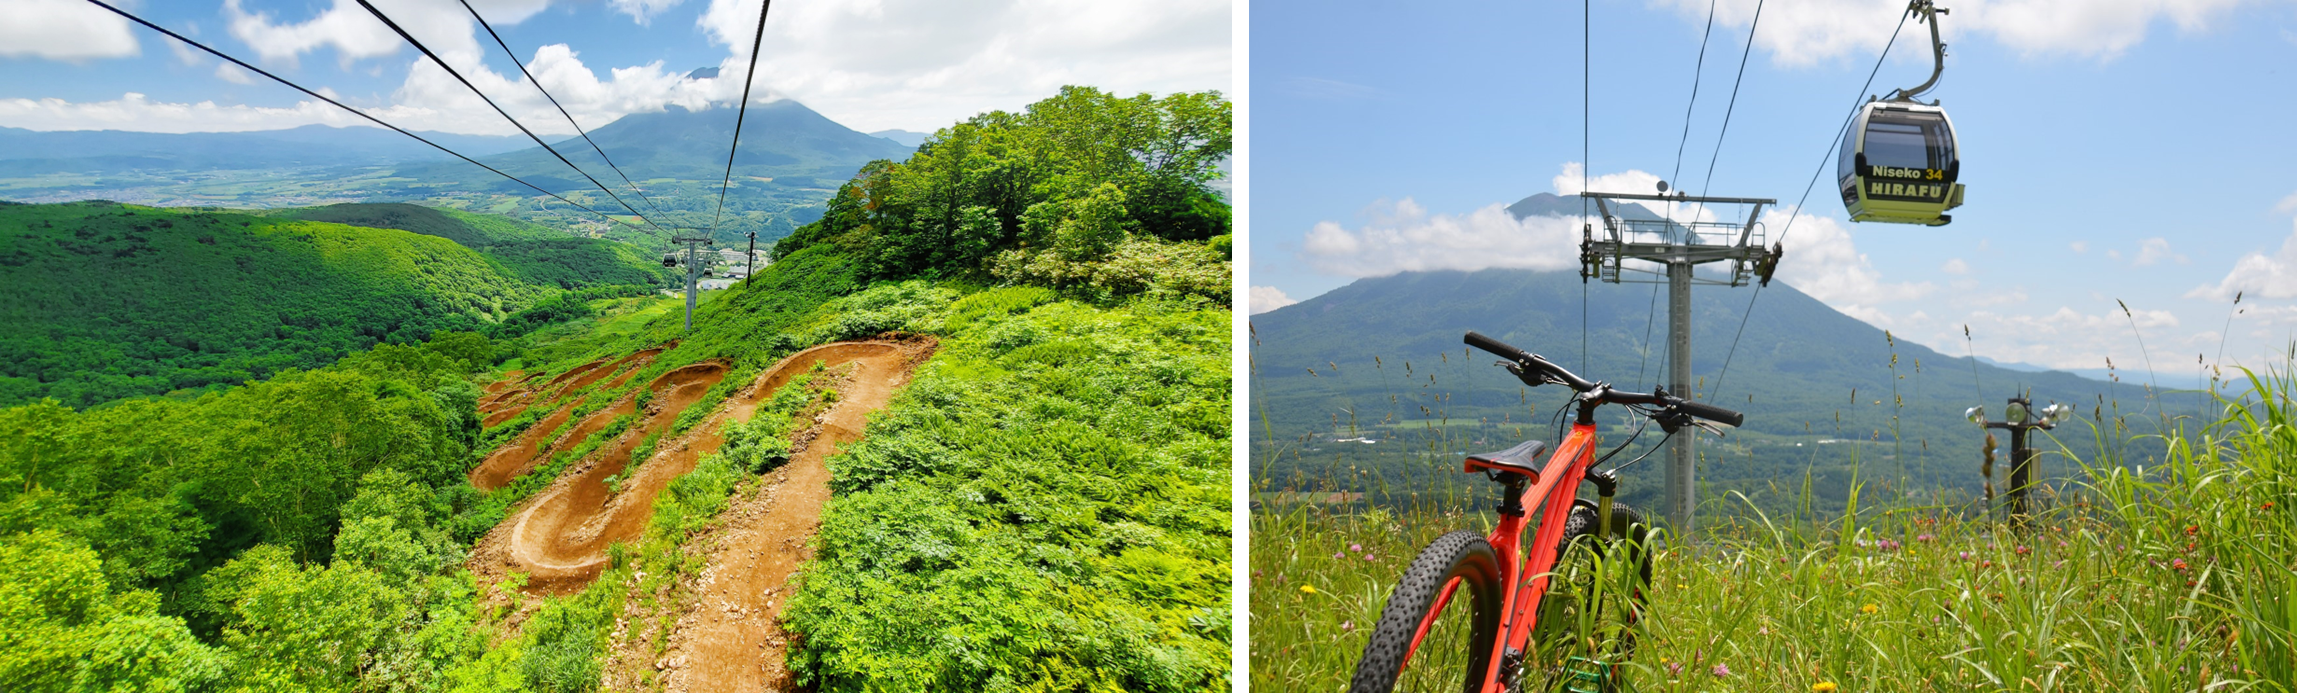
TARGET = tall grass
x,y
2179,577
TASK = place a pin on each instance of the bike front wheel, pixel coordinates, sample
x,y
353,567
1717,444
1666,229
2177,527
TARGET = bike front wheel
x,y
1595,598
1440,624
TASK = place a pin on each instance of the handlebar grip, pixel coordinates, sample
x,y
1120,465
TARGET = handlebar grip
x,y
1479,341
1712,413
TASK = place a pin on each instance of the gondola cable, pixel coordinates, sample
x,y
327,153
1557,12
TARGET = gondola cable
x,y
442,63
749,73
1797,213
1698,70
561,108
363,114
1728,109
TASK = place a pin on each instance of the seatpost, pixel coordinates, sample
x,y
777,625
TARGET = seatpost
x,y
1511,499
1606,486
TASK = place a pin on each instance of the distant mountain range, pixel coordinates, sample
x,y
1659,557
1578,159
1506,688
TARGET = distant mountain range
x,y
905,137
780,139
28,152
1382,358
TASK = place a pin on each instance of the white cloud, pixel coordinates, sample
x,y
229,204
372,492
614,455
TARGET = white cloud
x,y
2069,338
1822,261
2080,247
641,10
231,73
1819,30
2287,204
921,64
2154,250
1955,266
2259,274
1404,237
1267,298
70,30
133,111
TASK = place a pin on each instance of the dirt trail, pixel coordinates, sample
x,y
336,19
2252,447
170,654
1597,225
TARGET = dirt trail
x,y
731,638
510,403
524,452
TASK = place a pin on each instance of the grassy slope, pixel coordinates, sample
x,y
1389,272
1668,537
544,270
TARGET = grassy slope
x,y
1056,468
106,301
2171,579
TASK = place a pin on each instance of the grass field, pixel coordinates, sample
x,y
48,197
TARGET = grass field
x,y
2169,577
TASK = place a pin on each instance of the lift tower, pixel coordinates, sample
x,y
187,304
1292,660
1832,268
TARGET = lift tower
x,y
1665,250
696,268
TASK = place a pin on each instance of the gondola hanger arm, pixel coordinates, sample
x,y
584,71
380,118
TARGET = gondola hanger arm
x,y
1928,13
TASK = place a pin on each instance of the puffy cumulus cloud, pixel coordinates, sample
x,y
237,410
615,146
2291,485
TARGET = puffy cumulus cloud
x,y
1267,298
1404,237
2154,250
1955,266
135,112
1821,260
918,64
71,30
429,99
1635,181
443,25
1816,30
2259,274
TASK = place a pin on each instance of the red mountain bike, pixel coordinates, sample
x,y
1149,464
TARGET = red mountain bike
x,y
1561,617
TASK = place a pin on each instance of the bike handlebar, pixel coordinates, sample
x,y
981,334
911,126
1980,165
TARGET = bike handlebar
x,y
1534,370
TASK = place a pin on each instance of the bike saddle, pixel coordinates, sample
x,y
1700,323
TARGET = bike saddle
x,y
1521,459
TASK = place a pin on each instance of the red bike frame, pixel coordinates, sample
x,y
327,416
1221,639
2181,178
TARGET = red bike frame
x,y
1556,486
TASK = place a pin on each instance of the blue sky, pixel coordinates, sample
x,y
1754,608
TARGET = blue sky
x,y
883,64
2135,150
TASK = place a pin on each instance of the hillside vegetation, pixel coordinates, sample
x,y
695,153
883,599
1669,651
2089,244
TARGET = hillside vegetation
x,y
2171,576
1044,507
103,301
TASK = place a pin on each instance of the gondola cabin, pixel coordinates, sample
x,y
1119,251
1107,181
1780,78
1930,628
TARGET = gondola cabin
x,y
1898,165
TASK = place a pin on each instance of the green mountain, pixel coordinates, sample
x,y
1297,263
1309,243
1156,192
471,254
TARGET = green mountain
x,y
780,140
530,252
101,301
1381,359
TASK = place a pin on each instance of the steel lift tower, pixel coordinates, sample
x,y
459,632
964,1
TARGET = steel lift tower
x,y
1652,249
696,268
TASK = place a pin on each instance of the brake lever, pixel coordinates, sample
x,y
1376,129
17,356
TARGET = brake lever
x,y
1517,369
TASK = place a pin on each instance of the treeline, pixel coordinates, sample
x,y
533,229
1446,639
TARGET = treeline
x,y
101,301
1084,191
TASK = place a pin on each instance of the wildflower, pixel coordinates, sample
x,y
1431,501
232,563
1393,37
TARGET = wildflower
x,y
1925,536
1358,548
1674,668
1721,670
1307,589
1370,557
2191,530
1255,575
1346,626
2060,564
1988,564
2022,550
1870,608
2267,506
1965,555
1822,687
2177,564
1337,555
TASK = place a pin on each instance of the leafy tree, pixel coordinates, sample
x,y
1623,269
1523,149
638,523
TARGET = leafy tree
x,y
62,630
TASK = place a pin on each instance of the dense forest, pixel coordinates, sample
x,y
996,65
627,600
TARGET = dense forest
x,y
102,301
1043,507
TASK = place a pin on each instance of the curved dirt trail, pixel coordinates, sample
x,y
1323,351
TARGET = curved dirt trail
x,y
510,404
731,638
560,537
